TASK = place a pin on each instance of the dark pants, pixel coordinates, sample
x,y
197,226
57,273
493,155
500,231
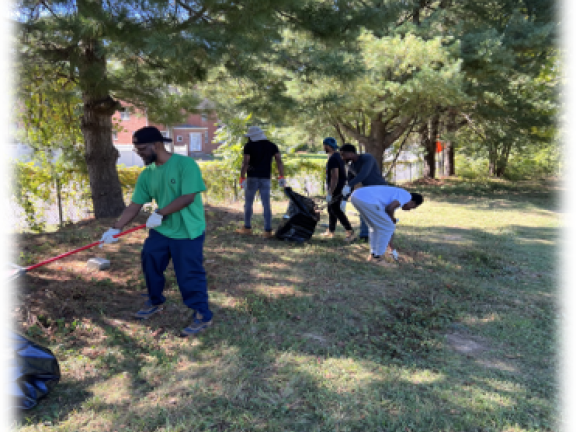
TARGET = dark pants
x,y
186,255
335,213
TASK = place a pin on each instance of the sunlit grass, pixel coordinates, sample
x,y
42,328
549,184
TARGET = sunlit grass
x,y
458,336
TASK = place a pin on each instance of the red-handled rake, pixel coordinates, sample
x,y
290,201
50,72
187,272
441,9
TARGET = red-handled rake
x,y
18,271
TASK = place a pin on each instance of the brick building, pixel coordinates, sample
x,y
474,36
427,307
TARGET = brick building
x,y
193,138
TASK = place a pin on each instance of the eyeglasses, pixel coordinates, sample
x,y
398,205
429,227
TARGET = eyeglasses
x,y
136,150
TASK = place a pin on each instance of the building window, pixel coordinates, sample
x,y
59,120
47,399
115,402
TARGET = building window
x,y
115,136
179,138
204,117
206,138
124,114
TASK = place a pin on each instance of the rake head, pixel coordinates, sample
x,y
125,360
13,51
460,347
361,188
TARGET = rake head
x,y
11,272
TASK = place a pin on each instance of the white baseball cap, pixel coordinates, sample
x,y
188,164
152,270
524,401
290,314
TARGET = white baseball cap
x,y
255,134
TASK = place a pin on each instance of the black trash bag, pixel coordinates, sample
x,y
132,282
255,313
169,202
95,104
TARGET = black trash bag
x,y
34,372
302,218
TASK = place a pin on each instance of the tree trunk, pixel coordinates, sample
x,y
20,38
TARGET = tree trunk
x,y
449,166
491,162
378,153
96,125
428,138
502,161
101,157
429,163
59,198
451,127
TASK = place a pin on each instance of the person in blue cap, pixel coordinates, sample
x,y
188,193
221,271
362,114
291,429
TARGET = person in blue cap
x,y
335,181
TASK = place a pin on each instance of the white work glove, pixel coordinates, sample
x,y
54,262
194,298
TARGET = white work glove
x,y
329,198
343,206
395,255
282,182
108,236
346,190
155,220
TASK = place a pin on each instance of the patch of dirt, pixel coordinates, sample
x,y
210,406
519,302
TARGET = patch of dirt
x,y
479,350
428,182
466,344
453,237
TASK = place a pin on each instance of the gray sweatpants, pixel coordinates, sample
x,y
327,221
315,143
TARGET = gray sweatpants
x,y
380,226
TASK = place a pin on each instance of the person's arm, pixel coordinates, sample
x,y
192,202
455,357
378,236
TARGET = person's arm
x,y
245,165
279,164
127,215
390,208
177,204
333,180
368,165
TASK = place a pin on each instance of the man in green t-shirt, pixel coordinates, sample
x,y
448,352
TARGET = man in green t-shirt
x,y
176,227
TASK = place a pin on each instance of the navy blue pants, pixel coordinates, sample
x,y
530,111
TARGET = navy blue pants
x,y
186,255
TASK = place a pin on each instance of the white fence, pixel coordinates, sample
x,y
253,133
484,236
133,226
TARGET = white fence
x,y
18,151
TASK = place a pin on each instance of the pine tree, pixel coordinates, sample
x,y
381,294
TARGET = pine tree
x,y
133,50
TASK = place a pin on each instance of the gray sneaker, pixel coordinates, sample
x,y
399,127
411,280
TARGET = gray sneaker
x,y
196,326
148,311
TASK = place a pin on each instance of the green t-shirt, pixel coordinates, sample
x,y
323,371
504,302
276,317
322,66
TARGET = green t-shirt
x,y
180,175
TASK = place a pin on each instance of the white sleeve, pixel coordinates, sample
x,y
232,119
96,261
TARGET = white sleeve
x,y
403,197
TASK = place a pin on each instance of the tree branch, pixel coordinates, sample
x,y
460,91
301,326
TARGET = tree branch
x,y
399,130
400,148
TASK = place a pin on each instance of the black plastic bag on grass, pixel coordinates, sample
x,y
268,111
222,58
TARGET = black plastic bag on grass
x,y
34,372
302,218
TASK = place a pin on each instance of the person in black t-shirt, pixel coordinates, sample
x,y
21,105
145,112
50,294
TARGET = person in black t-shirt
x,y
255,176
335,181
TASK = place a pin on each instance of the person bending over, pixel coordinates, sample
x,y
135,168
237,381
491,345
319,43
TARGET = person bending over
x,y
377,204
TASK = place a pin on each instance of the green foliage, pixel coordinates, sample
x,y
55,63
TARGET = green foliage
x,y
128,177
21,183
230,152
48,112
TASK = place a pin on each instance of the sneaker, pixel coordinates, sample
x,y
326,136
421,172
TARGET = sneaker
x,y
268,234
328,234
148,311
244,230
378,260
350,236
196,326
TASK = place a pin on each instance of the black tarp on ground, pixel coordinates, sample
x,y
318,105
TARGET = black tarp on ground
x,y
302,218
34,371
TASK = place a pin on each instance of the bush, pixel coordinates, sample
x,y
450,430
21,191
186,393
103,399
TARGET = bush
x,y
29,188
471,169
128,177
222,187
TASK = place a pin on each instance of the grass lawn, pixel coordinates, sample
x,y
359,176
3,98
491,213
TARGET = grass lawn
x,y
460,335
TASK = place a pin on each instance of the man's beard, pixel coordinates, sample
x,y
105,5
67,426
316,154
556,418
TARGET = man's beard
x,y
150,159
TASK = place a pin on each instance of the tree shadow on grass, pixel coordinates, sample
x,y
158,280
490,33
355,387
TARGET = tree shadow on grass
x,y
535,195
287,319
